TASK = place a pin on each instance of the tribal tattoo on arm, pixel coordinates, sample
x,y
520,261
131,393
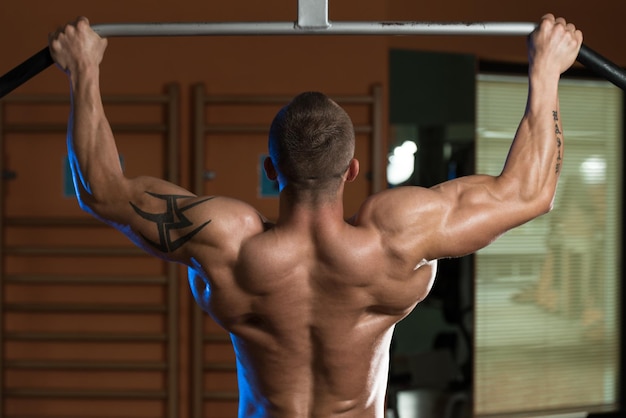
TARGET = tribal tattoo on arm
x,y
172,219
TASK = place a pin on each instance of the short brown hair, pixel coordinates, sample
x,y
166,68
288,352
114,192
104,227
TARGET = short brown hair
x,y
311,141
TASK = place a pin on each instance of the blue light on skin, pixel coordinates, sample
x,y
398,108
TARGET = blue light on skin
x,y
251,404
267,186
69,184
452,168
198,284
271,172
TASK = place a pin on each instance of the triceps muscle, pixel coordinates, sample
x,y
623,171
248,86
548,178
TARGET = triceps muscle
x,y
173,228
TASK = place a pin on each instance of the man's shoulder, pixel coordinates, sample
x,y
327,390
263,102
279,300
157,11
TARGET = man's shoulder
x,y
239,216
231,207
383,209
229,223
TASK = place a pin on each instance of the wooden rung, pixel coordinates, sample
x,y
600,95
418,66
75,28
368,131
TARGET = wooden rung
x,y
84,365
262,129
124,100
345,100
84,394
86,280
46,128
72,416
248,100
84,308
139,128
220,367
34,128
220,396
84,337
35,99
226,129
216,338
74,251
53,222
272,100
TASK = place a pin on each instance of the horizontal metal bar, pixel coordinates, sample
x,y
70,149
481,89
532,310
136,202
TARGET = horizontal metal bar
x,y
43,59
588,57
292,28
84,337
84,365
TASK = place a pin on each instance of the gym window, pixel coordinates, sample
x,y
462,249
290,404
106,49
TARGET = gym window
x,y
547,296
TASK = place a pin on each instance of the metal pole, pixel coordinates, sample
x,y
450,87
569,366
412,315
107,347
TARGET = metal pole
x,y
42,59
294,28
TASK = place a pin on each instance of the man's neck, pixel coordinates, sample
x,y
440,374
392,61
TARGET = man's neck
x,y
308,207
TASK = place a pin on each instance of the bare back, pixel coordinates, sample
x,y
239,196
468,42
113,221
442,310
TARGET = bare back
x,y
311,305
311,311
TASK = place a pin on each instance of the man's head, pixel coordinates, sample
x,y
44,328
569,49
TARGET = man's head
x,y
311,144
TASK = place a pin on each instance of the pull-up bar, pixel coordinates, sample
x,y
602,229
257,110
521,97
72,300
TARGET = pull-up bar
x,y
312,20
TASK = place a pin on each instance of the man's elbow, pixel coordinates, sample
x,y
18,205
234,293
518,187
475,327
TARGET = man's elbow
x,y
94,202
544,202
533,201
88,203
536,198
97,199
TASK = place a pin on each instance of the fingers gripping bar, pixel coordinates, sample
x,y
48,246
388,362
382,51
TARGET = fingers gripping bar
x,y
42,60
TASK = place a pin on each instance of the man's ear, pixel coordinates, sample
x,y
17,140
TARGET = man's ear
x,y
270,170
353,170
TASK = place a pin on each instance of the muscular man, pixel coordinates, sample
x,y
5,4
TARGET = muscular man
x,y
311,301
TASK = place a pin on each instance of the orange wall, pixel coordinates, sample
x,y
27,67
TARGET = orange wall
x,y
278,65
334,65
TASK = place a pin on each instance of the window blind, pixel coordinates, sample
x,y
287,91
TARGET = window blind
x,y
547,304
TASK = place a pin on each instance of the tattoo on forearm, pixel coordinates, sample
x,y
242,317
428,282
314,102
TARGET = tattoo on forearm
x,y
172,219
558,133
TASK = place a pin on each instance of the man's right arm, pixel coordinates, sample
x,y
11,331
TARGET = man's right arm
x,y
160,217
461,216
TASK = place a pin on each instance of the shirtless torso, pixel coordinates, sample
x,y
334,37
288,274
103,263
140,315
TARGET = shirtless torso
x,y
311,302
311,308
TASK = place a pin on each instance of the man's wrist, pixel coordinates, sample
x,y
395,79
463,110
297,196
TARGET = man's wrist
x,y
543,77
84,73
